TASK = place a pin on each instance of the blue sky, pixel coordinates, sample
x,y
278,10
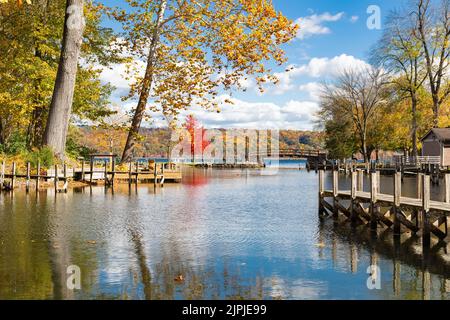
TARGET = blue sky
x,y
333,36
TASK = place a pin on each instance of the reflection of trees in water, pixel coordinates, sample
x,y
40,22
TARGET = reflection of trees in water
x,y
172,277
24,269
36,248
424,267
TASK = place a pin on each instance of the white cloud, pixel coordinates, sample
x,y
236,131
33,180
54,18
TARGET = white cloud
x,y
314,24
323,68
313,89
258,115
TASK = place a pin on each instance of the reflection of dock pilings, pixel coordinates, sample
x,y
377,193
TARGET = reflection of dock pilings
x,y
401,250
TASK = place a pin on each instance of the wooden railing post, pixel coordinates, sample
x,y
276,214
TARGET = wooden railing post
x,y
38,175
397,197
13,176
447,188
27,187
129,172
354,186
113,168
425,217
56,178
360,180
106,173
335,193
373,200
321,191
91,177
419,185
66,180
83,175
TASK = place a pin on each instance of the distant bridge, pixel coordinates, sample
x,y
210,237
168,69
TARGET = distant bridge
x,y
309,155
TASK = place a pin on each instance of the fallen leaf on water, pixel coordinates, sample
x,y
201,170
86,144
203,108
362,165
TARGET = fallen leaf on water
x,y
179,278
91,241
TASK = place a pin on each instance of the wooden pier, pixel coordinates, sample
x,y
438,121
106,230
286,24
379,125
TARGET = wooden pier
x,y
91,173
419,215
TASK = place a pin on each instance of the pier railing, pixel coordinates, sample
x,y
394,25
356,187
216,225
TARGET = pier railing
x,y
418,214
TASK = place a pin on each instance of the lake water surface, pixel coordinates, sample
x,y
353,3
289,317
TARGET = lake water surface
x,y
221,234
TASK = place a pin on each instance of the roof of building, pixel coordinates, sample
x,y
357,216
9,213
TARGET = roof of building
x,y
443,134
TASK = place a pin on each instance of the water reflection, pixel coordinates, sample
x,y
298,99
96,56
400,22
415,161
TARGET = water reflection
x,y
227,234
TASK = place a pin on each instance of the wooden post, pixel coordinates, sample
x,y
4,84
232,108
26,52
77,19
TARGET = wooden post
x,y
321,191
130,174
354,186
83,177
335,193
447,188
137,171
373,200
66,180
38,175
426,235
91,178
113,168
56,178
397,196
419,185
106,173
27,187
360,180
2,175
13,176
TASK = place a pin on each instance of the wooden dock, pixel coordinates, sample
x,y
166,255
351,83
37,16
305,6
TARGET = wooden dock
x,y
419,215
93,173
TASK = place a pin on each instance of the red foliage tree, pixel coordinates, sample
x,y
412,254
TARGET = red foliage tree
x,y
197,134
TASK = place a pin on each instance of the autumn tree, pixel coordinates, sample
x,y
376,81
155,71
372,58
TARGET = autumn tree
x,y
30,42
358,94
193,49
433,31
197,136
401,53
61,105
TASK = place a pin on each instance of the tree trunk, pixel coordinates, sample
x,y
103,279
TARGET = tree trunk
x,y
145,90
436,108
61,106
414,125
364,145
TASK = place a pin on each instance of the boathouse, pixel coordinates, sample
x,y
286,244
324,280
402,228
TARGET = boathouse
x,y
436,143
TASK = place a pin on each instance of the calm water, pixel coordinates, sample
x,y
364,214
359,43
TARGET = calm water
x,y
228,233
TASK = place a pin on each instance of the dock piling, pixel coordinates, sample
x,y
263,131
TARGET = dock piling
x,y
27,187
396,206
447,188
38,175
425,218
373,200
13,176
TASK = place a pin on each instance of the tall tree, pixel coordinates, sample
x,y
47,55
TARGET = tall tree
x,y
433,30
358,94
61,106
401,53
192,49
